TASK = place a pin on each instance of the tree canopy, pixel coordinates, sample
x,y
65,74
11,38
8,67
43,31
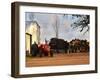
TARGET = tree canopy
x,y
82,22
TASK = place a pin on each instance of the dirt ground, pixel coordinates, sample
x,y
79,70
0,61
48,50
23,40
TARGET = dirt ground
x,y
58,59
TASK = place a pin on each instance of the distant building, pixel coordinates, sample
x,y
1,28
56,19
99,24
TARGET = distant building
x,y
32,35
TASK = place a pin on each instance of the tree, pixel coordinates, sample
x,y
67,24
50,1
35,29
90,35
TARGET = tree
x,y
31,17
80,21
56,25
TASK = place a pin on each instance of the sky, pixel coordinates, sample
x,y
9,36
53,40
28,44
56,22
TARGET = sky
x,y
48,23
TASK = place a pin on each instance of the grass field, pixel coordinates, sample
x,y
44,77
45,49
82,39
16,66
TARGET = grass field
x,y
58,59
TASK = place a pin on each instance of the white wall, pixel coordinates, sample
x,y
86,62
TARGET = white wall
x,y
5,40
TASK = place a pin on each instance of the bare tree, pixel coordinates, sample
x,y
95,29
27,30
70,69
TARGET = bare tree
x,y
56,25
82,22
31,17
